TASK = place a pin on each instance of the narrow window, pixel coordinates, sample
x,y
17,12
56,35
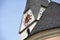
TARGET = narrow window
x,y
28,31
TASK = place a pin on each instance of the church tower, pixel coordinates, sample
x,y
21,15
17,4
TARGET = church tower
x,y
32,13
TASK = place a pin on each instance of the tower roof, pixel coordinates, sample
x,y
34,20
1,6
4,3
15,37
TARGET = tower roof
x,y
35,5
49,20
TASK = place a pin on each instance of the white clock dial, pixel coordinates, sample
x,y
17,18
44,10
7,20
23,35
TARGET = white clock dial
x,y
28,18
42,9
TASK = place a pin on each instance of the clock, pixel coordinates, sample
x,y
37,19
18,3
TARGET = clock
x,y
27,19
42,9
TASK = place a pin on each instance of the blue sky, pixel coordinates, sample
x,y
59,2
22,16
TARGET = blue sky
x,y
11,12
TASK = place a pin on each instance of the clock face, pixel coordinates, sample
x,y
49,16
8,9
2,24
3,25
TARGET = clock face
x,y
42,9
28,18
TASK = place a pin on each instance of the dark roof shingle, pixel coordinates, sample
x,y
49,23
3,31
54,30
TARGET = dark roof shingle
x,y
50,18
